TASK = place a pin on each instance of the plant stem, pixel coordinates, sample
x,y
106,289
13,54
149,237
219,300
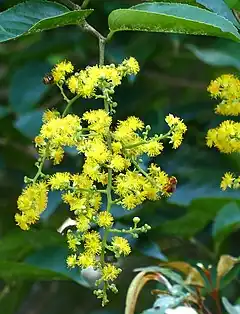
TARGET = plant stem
x,y
129,231
85,4
39,172
63,94
69,104
143,172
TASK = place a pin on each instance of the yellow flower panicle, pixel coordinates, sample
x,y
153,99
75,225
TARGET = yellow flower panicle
x,y
227,88
31,203
177,130
86,82
110,167
226,136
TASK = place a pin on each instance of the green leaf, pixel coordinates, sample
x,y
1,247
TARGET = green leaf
x,y
36,16
18,243
53,259
26,87
30,123
18,271
226,222
174,18
221,8
215,57
233,4
151,249
4,111
13,296
200,213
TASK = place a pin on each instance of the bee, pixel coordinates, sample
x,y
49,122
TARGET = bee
x,y
48,79
171,186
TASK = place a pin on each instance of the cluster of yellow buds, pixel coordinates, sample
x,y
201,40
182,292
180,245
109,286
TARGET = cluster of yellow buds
x,y
111,172
226,137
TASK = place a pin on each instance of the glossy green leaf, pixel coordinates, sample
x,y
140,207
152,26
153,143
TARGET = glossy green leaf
x,y
26,86
30,123
215,57
18,243
221,8
226,222
18,271
188,225
151,249
36,16
53,259
174,18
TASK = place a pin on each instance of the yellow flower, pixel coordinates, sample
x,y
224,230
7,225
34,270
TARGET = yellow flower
x,y
225,137
227,88
130,201
116,147
39,141
83,223
57,155
131,66
153,148
105,219
214,88
72,261
97,150
98,120
72,83
176,139
61,69
81,181
118,163
227,181
125,129
92,243
110,272
49,115
22,221
61,131
86,260
32,202
60,181
121,246
73,241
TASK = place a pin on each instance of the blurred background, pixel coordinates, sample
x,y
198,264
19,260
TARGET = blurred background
x,y
197,224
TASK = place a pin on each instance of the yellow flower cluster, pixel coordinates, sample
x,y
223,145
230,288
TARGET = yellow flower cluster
x,y
177,130
111,172
227,88
31,203
86,82
56,133
226,137
230,181
61,70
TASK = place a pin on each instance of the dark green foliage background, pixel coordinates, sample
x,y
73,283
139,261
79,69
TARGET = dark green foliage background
x,y
197,224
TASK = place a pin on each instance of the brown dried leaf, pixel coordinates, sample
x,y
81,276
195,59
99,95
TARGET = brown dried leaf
x,y
225,264
193,276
